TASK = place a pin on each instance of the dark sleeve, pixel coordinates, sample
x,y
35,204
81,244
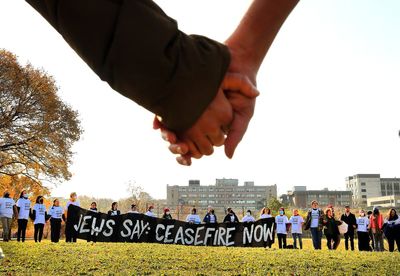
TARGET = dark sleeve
x,y
109,213
118,212
135,47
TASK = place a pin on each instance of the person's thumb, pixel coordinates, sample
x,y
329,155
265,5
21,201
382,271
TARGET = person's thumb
x,y
237,130
241,83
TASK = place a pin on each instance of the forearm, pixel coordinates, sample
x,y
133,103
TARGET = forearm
x,y
258,29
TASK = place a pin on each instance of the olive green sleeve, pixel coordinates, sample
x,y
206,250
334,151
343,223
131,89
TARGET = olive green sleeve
x,y
140,52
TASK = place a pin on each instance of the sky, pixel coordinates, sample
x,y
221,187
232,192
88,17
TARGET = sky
x,y
328,109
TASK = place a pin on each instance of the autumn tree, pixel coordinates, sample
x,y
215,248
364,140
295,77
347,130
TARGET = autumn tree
x,y
37,130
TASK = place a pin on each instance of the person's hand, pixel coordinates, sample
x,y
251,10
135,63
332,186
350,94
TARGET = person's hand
x,y
241,95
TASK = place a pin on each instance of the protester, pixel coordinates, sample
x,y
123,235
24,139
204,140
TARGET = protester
x,y
210,217
193,217
296,222
392,229
281,222
370,235
114,210
55,213
93,207
362,231
248,217
337,242
230,216
265,213
70,232
7,210
39,215
331,229
167,214
314,223
150,212
24,208
350,219
376,225
133,209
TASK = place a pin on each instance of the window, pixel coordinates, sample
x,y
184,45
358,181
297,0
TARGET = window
x,y
363,190
364,196
362,183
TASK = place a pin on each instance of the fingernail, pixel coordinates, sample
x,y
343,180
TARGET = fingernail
x,y
179,150
164,136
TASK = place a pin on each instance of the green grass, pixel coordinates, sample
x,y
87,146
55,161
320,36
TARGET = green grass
x,y
126,258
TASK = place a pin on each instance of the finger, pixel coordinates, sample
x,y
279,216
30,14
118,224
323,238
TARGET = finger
x,y
239,82
184,160
179,148
204,145
217,139
156,123
235,135
193,150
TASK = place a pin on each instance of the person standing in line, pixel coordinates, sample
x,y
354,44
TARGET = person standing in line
x,y
193,217
55,212
362,231
24,209
7,210
392,229
114,210
376,226
349,218
281,222
70,232
93,207
296,221
314,223
248,217
370,235
133,210
39,215
150,212
167,214
230,216
265,213
210,217
331,229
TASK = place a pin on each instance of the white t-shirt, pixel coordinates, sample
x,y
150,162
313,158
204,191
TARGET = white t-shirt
x,y
76,203
281,222
314,218
212,218
296,222
263,216
6,207
248,218
150,214
56,212
362,224
24,207
193,219
133,212
40,213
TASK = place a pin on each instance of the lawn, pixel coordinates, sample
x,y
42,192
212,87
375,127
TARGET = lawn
x,y
85,258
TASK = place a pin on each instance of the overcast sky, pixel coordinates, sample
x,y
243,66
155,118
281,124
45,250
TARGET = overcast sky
x,y
329,103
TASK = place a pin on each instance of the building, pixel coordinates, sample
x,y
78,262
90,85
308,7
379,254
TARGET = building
x,y
384,201
365,186
225,193
301,197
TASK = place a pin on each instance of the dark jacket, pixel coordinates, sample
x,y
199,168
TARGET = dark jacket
x,y
331,226
135,47
207,218
351,222
165,216
307,223
228,218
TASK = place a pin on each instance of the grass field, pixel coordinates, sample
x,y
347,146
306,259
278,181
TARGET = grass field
x,y
85,258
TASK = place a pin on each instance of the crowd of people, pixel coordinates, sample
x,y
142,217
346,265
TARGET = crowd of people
x,y
371,226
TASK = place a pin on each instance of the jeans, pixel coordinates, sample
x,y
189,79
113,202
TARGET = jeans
x,y
38,233
316,237
295,237
363,241
55,229
378,241
282,240
391,244
349,236
22,223
330,239
6,228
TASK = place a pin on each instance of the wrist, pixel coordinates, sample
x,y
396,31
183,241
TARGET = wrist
x,y
242,61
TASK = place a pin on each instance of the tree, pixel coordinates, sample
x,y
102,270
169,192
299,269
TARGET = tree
x,y
37,130
274,204
15,184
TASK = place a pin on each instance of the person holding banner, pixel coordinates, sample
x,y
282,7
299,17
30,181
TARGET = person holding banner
x,y
193,218
281,222
114,210
248,217
24,208
210,217
55,212
133,209
231,216
70,233
167,214
265,213
93,207
150,212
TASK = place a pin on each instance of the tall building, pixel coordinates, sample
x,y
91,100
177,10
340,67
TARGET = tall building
x,y
225,193
301,197
365,186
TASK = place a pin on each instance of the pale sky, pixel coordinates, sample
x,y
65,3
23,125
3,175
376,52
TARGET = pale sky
x,y
329,103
